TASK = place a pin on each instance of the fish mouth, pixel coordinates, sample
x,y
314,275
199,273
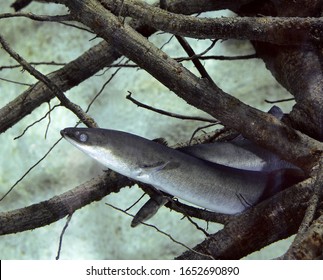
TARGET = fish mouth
x,y
66,133
63,133
69,132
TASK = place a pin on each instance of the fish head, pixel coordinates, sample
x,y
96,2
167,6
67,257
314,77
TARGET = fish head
x,y
109,147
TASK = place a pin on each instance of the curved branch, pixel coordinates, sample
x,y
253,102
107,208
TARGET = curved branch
x,y
267,29
50,211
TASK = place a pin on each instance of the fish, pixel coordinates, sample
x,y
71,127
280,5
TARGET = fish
x,y
237,153
212,186
149,209
240,153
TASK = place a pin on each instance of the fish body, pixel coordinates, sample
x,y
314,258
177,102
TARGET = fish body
x,y
240,153
212,186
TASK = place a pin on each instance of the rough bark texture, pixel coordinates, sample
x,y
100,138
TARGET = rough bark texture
x,y
297,68
268,29
56,208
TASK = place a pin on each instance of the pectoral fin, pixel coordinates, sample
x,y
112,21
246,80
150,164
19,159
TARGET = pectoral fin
x,y
158,166
150,208
147,169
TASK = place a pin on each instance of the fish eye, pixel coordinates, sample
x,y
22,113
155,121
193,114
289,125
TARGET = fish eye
x,y
82,137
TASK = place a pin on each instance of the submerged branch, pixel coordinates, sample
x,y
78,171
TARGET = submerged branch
x,y
56,208
278,30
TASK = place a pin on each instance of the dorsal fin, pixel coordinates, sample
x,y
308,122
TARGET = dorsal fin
x,y
161,141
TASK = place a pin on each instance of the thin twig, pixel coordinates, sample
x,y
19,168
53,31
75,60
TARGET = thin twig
x,y
37,121
206,50
124,65
189,50
197,226
49,119
69,217
52,63
279,100
15,82
199,66
173,115
102,88
30,169
58,18
199,128
217,57
133,204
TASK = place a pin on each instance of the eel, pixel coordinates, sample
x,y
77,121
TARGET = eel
x,y
239,153
205,184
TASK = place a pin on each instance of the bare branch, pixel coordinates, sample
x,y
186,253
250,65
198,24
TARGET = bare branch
x,y
15,82
54,209
173,115
37,121
53,63
279,101
69,217
267,29
217,57
32,16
